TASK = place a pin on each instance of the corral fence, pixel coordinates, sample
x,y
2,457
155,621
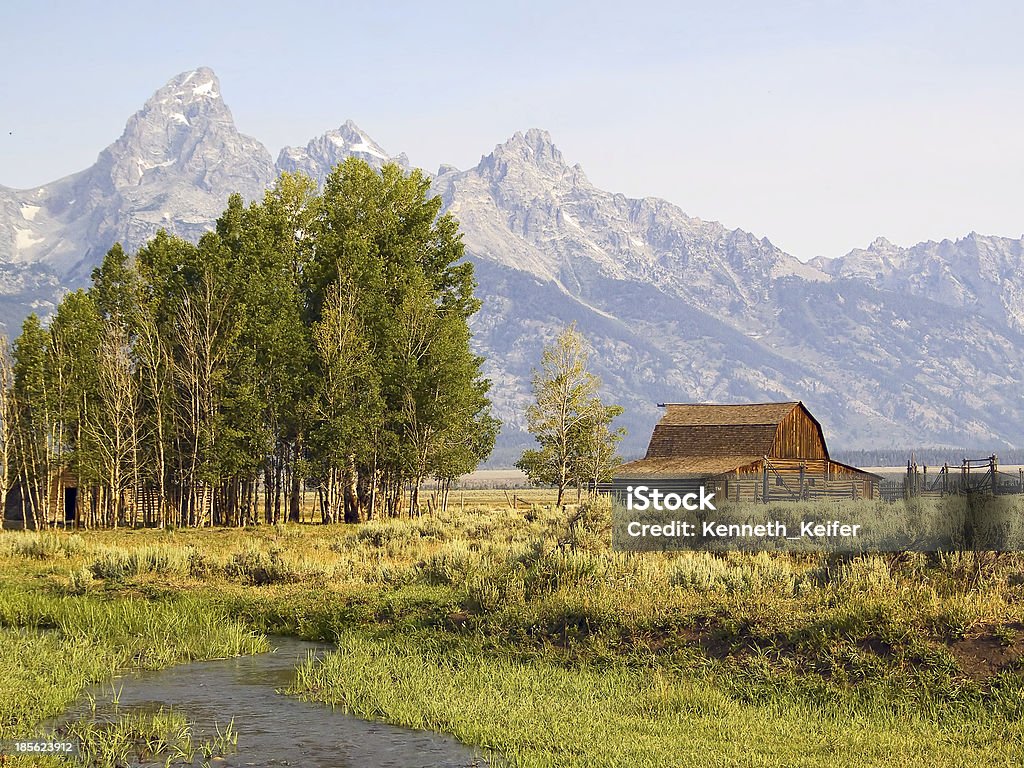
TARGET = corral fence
x,y
973,476
778,480
774,485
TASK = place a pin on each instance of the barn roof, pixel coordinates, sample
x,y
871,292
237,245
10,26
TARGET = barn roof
x,y
706,430
716,414
675,440
701,439
685,466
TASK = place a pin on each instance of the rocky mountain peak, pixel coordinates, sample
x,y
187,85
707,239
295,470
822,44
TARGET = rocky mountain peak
x,y
174,166
196,85
186,129
535,145
321,154
529,152
356,141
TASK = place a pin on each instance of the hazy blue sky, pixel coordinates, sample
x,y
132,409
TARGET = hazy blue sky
x,y
820,125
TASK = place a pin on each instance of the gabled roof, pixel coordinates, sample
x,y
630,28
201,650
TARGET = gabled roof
x,y
675,440
705,430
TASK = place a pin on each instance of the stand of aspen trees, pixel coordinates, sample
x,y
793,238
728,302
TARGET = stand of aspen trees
x,y
314,346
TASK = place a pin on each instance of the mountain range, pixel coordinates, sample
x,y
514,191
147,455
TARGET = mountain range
x,y
887,346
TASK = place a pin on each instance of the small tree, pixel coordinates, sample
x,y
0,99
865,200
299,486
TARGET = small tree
x,y
596,440
568,419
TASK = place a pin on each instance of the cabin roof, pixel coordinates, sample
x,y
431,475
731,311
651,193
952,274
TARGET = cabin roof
x,y
679,440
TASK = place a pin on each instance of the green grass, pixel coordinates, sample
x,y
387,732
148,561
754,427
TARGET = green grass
x,y
118,739
53,646
521,630
540,713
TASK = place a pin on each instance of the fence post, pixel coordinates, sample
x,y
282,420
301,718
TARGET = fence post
x,y
764,487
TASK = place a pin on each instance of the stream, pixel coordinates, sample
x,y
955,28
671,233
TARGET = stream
x,y
274,729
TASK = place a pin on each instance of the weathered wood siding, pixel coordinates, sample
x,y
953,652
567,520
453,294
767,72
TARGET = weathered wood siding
x,y
798,436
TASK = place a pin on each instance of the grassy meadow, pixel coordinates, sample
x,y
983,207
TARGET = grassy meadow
x,y
518,630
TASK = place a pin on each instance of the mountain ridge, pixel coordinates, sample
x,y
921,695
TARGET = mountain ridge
x,y
881,343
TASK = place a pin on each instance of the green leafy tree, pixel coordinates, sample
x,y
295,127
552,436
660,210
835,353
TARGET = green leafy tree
x,y
74,380
279,247
132,297
35,412
381,233
596,456
568,419
346,405
111,431
8,468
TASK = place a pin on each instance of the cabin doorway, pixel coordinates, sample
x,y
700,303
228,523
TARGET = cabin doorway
x,y
70,504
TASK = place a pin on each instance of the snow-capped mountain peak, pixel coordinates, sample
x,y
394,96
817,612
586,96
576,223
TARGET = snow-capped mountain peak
x,y
354,140
176,162
186,122
201,83
321,154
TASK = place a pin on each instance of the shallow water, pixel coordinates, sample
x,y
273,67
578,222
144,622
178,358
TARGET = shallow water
x,y
274,729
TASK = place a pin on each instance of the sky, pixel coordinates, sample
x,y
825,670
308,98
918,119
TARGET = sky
x,y
820,125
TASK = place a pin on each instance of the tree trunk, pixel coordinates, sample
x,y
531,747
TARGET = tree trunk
x,y
295,502
351,490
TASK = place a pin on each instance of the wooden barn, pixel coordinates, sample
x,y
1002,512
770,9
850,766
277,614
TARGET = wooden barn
x,y
755,452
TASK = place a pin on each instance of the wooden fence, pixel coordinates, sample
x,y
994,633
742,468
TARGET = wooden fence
x,y
981,476
778,480
799,484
